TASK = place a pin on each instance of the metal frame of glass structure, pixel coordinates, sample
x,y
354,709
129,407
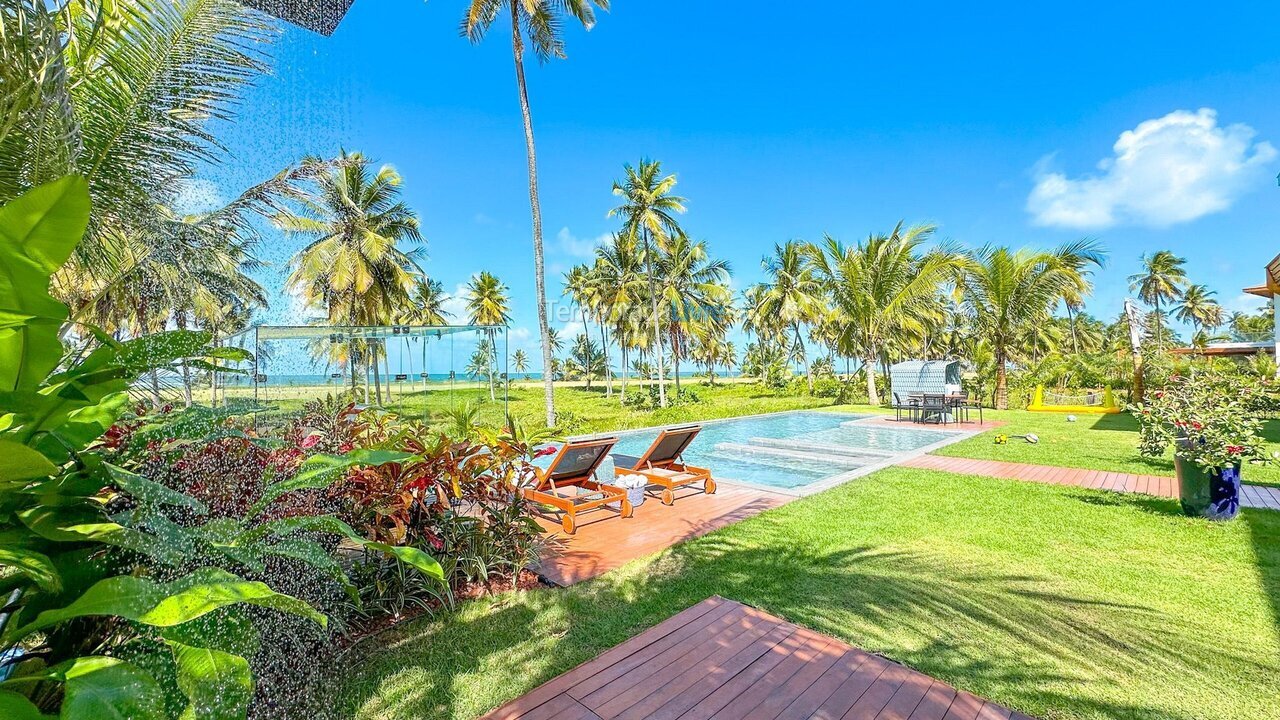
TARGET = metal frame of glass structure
x,y
259,334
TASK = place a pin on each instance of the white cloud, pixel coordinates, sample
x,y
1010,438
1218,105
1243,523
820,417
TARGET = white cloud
x,y
455,307
196,196
1165,171
573,246
1246,303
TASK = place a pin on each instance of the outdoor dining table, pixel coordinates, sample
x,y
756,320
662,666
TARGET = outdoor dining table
x,y
942,407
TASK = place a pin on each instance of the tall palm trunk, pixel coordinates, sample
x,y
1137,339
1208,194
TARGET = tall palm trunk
x,y
657,329
626,371
1071,323
604,349
869,369
1002,381
377,380
544,330
676,349
493,363
386,367
180,319
808,369
1159,339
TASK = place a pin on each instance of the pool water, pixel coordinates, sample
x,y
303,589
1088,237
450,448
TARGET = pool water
x,y
786,450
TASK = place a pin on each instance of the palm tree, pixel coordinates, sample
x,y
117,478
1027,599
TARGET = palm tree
x,y
520,363
1161,280
1007,293
353,269
883,287
792,295
648,211
620,279
488,303
120,93
1197,306
426,304
694,292
538,22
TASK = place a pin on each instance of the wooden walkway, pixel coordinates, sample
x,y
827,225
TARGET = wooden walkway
x,y
720,659
1255,496
604,541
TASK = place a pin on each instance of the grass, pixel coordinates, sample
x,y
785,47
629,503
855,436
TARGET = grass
x,y
1093,442
580,410
1061,602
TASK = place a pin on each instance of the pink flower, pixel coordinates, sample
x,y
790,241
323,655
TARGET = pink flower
x,y
309,441
548,450
345,447
1235,449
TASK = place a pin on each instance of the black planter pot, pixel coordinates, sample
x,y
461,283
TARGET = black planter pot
x,y
1212,494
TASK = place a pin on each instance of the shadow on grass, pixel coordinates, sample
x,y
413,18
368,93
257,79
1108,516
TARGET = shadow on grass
x,y
1031,648
1147,503
1264,533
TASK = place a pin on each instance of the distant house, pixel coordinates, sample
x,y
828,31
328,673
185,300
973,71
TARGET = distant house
x,y
1251,346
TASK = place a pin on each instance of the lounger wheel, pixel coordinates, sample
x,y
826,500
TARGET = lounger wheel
x,y
668,497
627,509
568,524
709,486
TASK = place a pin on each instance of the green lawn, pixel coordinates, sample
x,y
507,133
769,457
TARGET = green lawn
x,y
582,410
1093,442
1060,602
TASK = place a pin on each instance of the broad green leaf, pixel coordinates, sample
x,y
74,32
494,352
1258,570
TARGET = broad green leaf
x,y
105,688
48,221
318,558
411,556
151,492
35,565
229,352
38,231
158,350
218,685
17,707
319,471
302,523
167,604
19,462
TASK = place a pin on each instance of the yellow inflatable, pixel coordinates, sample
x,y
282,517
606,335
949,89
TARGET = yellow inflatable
x,y
1107,407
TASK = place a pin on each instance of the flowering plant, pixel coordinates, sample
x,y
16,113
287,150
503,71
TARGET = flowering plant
x,y
1207,413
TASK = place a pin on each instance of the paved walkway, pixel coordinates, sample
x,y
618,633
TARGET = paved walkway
x,y
1255,496
720,659
605,541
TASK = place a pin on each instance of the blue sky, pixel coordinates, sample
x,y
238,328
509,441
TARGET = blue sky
x,y
1001,124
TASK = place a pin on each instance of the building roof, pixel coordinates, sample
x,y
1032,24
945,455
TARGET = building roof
x,y
1272,287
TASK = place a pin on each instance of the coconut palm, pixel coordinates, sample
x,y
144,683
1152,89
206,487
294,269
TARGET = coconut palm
x,y
120,93
1197,306
648,211
353,269
792,295
1007,293
693,292
883,288
1161,281
520,363
537,22
620,281
426,304
488,303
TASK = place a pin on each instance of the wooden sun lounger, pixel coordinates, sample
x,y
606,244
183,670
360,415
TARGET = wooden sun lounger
x,y
663,465
572,471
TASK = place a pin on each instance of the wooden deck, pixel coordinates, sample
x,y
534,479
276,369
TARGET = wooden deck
x,y
1255,496
720,659
604,541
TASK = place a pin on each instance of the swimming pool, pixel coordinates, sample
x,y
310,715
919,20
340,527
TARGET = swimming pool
x,y
788,450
